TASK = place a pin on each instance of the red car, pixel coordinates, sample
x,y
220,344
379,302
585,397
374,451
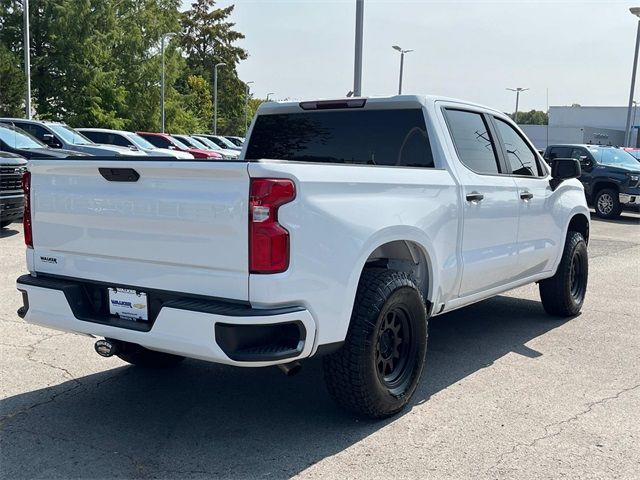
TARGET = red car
x,y
164,140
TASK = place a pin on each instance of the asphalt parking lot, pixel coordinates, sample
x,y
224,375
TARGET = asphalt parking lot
x,y
508,392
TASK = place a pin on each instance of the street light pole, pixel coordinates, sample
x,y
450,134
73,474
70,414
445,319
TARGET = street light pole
x,y
165,37
27,57
357,69
517,90
215,96
246,109
269,94
627,131
402,52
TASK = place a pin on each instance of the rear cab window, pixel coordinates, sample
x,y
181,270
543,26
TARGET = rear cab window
x,y
355,137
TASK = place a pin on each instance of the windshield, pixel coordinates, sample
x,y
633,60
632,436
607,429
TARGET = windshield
x,y
140,142
614,157
69,135
227,142
17,138
180,144
210,145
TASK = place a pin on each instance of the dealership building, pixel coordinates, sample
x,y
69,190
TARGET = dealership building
x,y
577,124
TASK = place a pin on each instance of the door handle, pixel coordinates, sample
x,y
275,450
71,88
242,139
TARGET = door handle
x,y
119,174
474,197
526,195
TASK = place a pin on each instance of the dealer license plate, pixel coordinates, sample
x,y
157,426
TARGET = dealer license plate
x,y
128,304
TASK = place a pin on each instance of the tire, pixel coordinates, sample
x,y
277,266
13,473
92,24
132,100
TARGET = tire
x,y
143,357
563,294
378,368
607,204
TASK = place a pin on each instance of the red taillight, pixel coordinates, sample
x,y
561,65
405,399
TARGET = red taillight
x,y
268,240
26,216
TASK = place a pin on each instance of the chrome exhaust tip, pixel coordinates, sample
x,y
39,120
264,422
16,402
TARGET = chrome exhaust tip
x,y
290,369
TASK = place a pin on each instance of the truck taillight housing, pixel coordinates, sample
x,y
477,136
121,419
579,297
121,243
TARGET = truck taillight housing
x,y
268,240
26,216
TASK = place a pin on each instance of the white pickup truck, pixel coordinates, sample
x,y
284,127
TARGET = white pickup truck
x,y
342,229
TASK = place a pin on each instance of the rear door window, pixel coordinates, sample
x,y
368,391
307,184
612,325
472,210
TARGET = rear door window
x,y
474,144
365,137
559,152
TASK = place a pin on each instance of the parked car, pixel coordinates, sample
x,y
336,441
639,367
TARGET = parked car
x,y
194,143
347,226
610,175
17,141
164,140
221,142
12,167
237,141
226,153
59,135
130,140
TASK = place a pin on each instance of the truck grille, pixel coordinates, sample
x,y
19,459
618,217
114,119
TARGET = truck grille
x,y
11,178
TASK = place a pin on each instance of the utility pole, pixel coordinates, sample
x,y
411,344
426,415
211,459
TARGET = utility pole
x,y
402,52
215,96
163,39
517,90
27,57
627,131
357,70
246,109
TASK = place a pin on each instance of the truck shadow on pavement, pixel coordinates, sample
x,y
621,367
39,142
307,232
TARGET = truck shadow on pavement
x,y
201,420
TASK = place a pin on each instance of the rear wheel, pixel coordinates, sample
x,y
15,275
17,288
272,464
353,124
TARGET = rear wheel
x,y
563,294
378,368
607,204
143,357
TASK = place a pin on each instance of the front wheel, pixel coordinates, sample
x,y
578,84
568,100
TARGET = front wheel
x,y
607,204
563,294
378,368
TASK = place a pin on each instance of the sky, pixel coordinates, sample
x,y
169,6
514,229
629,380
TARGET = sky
x,y
581,51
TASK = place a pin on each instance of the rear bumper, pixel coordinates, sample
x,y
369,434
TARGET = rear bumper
x,y
207,329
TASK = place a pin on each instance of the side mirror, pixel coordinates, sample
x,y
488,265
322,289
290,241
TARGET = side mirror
x,y
51,140
563,169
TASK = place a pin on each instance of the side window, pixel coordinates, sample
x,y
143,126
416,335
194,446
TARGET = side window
x,y
97,137
473,141
522,159
559,152
582,155
157,141
116,139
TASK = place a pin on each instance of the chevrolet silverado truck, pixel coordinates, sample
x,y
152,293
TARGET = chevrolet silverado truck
x,y
610,176
344,226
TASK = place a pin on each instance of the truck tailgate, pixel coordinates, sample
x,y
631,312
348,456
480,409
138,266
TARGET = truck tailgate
x,y
182,226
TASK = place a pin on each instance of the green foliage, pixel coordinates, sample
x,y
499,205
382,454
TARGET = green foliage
x,y
12,88
98,63
533,117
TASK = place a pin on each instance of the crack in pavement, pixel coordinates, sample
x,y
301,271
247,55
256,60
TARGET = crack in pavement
x,y
547,434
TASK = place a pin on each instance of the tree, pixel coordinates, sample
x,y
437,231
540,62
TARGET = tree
x,y
12,84
533,117
208,38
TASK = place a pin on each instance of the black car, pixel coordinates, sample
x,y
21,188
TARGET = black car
x,y
610,175
12,167
16,140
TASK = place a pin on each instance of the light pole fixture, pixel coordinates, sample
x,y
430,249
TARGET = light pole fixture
x,y
517,90
165,38
268,95
357,60
246,108
627,131
27,57
215,96
402,52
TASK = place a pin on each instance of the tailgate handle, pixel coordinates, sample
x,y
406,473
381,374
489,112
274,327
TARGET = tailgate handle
x,y
119,174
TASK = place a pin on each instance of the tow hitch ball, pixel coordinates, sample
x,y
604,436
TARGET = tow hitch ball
x,y
106,347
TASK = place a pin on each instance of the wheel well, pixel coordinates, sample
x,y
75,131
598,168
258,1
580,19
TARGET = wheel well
x,y
600,186
405,256
580,223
